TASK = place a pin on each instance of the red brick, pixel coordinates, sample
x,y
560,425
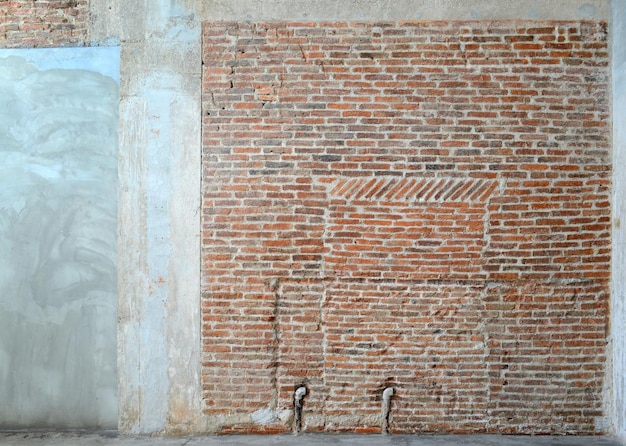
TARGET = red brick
x,y
61,23
440,223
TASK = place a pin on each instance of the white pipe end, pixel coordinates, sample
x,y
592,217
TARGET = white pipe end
x,y
300,393
388,393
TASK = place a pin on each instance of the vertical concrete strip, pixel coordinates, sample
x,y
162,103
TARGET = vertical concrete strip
x,y
159,332
618,285
184,312
131,259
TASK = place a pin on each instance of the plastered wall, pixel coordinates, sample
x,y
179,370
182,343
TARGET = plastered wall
x,y
58,212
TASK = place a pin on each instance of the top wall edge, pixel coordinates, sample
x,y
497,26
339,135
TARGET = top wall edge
x,y
394,10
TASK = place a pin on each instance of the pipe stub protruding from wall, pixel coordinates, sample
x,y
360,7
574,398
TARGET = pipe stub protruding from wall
x,y
386,408
298,398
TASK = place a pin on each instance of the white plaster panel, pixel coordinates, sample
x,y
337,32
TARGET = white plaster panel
x,y
160,221
58,211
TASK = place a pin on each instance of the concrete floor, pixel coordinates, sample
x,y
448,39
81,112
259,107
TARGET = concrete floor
x,y
89,439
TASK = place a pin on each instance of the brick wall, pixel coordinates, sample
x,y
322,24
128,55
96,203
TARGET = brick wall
x,y
417,205
43,23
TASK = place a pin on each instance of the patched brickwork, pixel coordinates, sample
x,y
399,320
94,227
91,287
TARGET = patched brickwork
x,y
43,23
417,205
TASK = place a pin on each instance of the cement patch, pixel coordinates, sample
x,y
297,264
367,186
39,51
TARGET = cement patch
x,y
58,220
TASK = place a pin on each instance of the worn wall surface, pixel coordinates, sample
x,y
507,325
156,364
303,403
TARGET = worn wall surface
x,y
161,49
417,205
159,219
58,213
618,303
159,226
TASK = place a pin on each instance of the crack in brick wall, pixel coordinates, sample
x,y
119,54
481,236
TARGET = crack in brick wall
x,y
432,200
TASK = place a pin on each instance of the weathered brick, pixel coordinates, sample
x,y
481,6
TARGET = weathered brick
x,y
417,205
28,24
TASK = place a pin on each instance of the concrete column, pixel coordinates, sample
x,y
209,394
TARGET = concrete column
x,y
159,220
618,280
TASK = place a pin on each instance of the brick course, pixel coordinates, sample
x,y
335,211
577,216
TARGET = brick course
x,y
43,23
417,205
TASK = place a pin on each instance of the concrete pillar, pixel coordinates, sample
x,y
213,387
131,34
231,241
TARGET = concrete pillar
x,y
618,279
375,10
159,220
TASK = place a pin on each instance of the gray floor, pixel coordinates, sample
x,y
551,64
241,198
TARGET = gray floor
x,y
71,439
